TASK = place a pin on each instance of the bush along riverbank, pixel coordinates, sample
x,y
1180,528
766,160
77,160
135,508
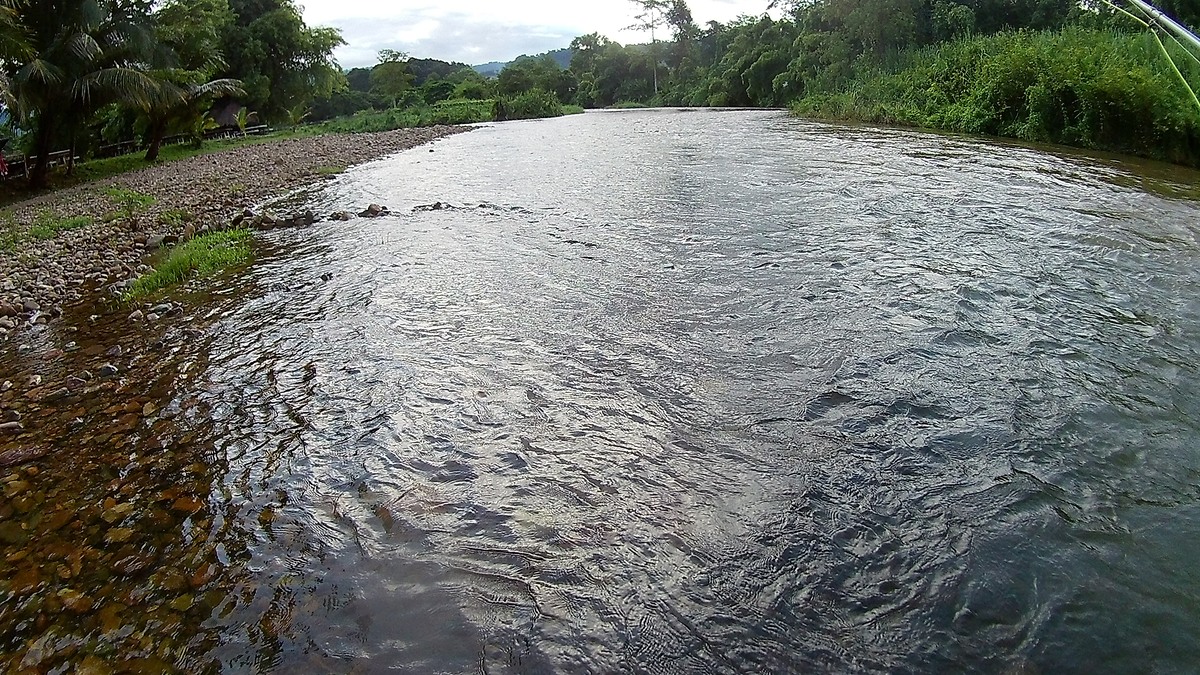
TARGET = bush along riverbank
x,y
1085,88
535,104
90,243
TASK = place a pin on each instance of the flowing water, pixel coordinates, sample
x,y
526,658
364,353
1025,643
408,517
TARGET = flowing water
x,y
694,391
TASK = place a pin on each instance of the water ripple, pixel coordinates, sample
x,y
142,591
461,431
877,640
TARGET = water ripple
x,y
679,392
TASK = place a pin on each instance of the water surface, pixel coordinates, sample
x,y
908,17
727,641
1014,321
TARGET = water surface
x,y
681,392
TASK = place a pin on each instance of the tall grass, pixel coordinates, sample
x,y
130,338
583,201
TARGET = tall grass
x,y
1086,88
533,104
200,257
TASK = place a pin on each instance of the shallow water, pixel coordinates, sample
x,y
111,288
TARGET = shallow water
x,y
678,392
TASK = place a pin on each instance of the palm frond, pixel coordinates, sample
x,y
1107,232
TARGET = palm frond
x,y
84,47
39,71
115,85
223,87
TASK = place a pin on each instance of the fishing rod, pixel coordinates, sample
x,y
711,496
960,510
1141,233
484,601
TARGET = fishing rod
x,y
1156,21
1167,22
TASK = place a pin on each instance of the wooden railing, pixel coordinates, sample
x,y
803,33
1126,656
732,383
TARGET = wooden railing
x,y
19,165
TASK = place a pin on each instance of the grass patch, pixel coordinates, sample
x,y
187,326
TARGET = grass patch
x,y
203,256
174,217
9,237
48,225
627,105
573,110
330,170
130,201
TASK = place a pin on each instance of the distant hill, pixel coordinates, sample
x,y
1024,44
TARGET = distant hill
x,y
491,69
561,56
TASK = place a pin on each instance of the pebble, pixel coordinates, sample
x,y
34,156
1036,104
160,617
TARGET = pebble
x,y
137,315
107,370
11,428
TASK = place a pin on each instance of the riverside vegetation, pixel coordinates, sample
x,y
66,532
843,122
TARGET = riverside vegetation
x,y
1039,70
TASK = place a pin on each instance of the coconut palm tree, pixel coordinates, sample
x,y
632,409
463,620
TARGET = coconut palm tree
x,y
192,31
83,54
177,102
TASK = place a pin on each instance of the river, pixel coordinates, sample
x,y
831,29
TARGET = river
x,y
675,392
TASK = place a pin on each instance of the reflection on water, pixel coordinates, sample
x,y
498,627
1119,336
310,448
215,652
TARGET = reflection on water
x,y
707,392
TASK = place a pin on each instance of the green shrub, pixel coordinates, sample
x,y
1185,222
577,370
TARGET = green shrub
x,y
532,104
200,257
1086,88
461,111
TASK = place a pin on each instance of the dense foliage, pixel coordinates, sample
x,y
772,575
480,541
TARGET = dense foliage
x,y
79,73
1042,70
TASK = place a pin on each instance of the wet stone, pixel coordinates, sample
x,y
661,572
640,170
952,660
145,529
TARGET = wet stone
x,y
133,564
16,487
13,427
117,513
12,533
74,601
119,535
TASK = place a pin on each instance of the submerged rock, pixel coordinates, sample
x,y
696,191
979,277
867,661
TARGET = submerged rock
x,y
374,211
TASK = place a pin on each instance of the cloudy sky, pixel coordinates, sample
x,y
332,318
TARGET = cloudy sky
x,y
479,31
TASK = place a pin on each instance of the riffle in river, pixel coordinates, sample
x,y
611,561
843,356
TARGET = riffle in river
x,y
651,391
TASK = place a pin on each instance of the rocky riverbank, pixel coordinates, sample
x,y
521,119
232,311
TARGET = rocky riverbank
x,y
43,270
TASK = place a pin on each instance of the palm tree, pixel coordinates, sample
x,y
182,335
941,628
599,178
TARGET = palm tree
x,y
84,54
14,46
191,32
177,102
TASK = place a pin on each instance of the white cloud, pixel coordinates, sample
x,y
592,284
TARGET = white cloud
x,y
473,31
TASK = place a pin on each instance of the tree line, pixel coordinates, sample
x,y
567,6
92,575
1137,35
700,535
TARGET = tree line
x,y
1043,70
77,73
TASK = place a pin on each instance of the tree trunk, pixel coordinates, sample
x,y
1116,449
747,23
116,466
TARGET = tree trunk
x,y
157,130
40,174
